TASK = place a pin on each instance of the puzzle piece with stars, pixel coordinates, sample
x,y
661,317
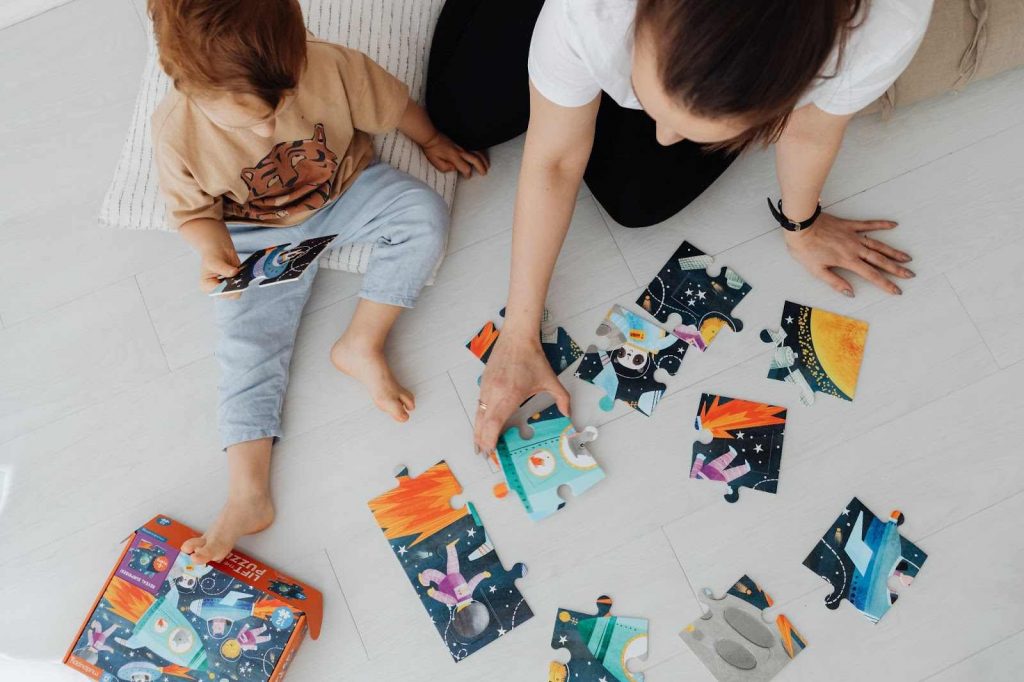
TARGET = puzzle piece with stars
x,y
817,351
746,444
864,558
735,642
548,454
600,645
698,305
626,369
450,561
559,348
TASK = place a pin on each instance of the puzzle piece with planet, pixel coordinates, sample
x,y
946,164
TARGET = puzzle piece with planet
x,y
450,560
735,642
694,304
817,351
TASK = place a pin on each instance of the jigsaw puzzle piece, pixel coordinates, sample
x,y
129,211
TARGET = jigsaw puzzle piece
x,y
600,645
555,454
746,444
635,350
735,642
559,348
701,304
859,554
817,351
450,561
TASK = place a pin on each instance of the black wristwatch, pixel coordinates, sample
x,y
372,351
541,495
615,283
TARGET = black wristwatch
x,y
790,225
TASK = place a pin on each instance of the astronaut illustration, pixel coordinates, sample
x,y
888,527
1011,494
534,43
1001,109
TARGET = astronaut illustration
x,y
186,573
636,340
96,641
250,638
718,469
784,359
452,590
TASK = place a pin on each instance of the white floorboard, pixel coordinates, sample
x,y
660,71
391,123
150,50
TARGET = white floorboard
x,y
108,395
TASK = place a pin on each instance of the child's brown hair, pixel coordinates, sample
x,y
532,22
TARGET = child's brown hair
x,y
256,47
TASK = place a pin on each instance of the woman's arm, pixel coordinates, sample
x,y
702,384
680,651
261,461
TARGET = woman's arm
x,y
803,159
558,142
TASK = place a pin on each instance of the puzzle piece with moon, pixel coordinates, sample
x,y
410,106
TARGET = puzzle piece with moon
x,y
546,455
735,642
865,560
817,351
450,561
626,369
694,304
745,449
601,645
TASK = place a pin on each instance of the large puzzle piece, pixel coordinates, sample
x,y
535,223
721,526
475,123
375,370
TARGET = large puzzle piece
x,y
699,305
553,455
600,645
559,348
863,558
746,444
446,554
636,350
274,265
817,351
735,642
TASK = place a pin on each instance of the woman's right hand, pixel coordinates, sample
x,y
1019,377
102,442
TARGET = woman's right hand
x,y
516,370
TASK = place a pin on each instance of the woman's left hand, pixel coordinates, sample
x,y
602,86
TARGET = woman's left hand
x,y
446,156
839,243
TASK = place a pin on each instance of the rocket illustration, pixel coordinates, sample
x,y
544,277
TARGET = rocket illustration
x,y
221,613
875,555
164,630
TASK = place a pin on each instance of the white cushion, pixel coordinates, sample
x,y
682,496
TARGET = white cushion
x,y
394,33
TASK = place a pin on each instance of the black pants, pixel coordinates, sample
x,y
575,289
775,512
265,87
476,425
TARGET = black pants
x,y
478,94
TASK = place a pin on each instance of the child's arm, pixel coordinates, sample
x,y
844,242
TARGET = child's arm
x,y
211,240
442,153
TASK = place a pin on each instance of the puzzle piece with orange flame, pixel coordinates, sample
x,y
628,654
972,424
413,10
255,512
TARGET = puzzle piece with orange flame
x,y
450,560
735,641
745,450
558,347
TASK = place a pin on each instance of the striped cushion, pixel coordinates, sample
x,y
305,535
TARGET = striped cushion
x,y
394,33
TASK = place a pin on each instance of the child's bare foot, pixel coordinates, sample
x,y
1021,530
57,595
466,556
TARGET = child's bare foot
x,y
367,365
241,515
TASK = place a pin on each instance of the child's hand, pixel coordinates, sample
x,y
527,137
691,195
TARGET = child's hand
x,y
218,262
446,156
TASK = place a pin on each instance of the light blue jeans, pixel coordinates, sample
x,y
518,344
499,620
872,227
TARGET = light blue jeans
x,y
408,223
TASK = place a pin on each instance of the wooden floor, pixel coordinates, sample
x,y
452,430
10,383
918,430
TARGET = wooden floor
x,y
107,399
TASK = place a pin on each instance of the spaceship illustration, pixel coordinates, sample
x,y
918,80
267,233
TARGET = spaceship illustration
x,y
875,557
164,630
220,613
287,590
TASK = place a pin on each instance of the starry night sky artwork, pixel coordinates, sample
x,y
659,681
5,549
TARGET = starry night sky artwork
x,y
817,350
861,556
275,265
601,645
450,562
559,348
213,628
703,303
746,444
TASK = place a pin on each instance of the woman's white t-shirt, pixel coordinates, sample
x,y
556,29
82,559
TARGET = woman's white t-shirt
x,y
581,47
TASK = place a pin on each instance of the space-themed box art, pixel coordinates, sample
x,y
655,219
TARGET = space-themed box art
x,y
162,618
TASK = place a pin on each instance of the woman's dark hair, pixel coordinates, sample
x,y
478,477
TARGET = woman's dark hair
x,y
751,59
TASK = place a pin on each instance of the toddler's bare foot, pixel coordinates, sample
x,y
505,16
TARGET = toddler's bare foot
x,y
368,366
242,515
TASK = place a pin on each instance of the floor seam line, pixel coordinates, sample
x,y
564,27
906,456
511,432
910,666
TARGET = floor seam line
x,y
348,607
972,655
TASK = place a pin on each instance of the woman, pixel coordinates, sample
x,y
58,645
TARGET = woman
x,y
649,101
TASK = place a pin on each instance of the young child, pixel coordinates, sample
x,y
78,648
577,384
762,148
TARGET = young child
x,y
265,139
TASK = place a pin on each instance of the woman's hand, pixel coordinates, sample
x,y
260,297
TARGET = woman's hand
x,y
516,370
839,243
446,156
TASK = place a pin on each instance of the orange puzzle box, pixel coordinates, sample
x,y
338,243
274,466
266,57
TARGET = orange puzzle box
x,y
160,617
